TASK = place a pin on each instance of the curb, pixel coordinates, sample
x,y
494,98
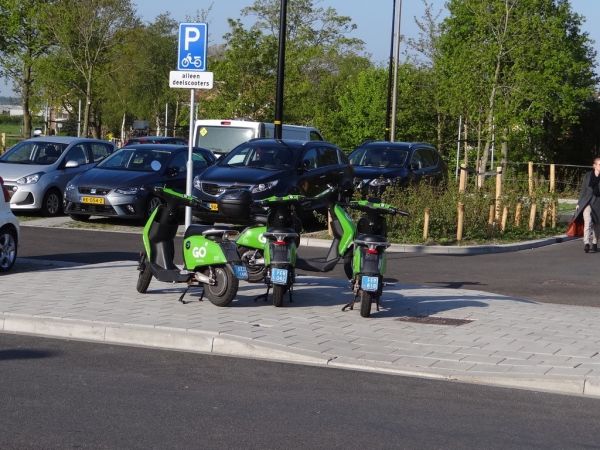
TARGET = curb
x,y
224,345
454,249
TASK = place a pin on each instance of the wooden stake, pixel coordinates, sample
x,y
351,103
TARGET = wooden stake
x,y
530,177
461,220
532,212
544,217
504,218
552,178
491,216
2,142
426,224
462,182
498,192
518,210
553,208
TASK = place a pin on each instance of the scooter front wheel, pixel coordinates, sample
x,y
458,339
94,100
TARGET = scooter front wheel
x,y
144,277
226,286
256,272
366,298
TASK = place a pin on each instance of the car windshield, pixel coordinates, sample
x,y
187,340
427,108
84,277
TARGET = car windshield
x,y
379,157
273,157
221,139
136,159
34,152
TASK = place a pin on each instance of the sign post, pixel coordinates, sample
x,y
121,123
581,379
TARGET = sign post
x,y
191,74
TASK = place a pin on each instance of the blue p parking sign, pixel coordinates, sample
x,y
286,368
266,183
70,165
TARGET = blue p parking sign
x,y
192,46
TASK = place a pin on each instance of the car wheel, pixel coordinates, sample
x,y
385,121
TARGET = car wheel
x,y
8,249
153,203
52,203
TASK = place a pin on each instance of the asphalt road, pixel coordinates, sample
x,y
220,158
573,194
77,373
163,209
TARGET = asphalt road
x,y
64,394
559,273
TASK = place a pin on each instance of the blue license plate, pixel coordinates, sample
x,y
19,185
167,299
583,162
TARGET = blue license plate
x,y
369,283
279,276
240,272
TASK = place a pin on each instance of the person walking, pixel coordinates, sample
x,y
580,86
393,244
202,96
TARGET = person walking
x,y
589,206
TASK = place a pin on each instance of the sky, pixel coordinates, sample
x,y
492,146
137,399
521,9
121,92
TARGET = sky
x,y
373,19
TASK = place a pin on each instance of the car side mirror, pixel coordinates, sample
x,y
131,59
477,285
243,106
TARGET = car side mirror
x,y
71,164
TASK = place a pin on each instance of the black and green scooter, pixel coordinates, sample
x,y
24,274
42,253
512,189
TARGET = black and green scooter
x,y
210,254
268,248
361,245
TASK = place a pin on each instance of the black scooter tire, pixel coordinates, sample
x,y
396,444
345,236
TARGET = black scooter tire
x,y
255,273
278,293
365,303
144,278
225,289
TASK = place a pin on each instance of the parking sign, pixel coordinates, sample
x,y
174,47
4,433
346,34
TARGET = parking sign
x,y
192,46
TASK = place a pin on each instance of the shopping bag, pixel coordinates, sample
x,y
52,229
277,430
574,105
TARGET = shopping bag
x,y
575,228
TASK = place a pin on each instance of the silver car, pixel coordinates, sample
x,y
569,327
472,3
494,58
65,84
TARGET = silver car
x,y
9,232
36,170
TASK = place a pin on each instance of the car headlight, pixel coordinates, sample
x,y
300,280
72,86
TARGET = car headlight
x,y
30,179
380,181
263,186
129,190
70,187
197,183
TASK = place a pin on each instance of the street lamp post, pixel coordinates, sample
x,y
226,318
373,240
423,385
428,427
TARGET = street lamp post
x,y
395,89
388,110
280,71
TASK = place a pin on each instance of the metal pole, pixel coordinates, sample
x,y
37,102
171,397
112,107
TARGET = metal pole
x,y
395,89
166,119
190,168
79,120
280,71
458,145
388,109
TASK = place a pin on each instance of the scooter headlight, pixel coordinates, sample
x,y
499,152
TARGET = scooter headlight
x,y
381,182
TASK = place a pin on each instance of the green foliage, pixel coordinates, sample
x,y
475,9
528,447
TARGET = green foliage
x,y
442,202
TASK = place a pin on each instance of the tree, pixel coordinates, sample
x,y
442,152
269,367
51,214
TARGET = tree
x,y
85,31
489,71
24,39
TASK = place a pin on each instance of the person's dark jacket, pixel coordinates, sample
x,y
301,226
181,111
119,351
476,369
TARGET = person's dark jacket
x,y
590,195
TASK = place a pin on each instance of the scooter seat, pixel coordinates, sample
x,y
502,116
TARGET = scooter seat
x,y
205,230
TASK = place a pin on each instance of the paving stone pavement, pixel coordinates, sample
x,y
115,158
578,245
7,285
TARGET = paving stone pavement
x,y
502,340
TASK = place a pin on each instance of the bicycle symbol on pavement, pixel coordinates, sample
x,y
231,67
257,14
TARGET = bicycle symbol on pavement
x,y
196,61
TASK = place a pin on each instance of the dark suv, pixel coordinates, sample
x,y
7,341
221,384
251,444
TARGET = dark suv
x,y
378,164
269,167
156,140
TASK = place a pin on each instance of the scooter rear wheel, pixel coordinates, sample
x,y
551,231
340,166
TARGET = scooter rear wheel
x,y
366,298
278,293
144,277
225,288
256,273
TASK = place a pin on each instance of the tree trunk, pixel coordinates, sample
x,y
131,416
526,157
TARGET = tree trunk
x,y
176,118
123,129
88,103
25,96
439,131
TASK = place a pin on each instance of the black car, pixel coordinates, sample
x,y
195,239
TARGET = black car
x,y
156,140
378,164
269,167
121,185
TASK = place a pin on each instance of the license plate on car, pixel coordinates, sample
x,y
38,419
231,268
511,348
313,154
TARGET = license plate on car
x,y
368,283
279,276
214,207
240,272
93,200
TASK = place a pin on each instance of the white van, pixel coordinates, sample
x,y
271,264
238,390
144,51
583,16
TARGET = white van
x,y
221,136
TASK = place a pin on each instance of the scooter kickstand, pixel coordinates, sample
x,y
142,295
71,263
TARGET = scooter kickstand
x,y
183,295
263,296
351,304
291,291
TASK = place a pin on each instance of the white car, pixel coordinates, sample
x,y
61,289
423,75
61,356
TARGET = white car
x,y
9,231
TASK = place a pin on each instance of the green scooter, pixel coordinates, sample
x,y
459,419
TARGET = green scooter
x,y
268,249
361,246
210,254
